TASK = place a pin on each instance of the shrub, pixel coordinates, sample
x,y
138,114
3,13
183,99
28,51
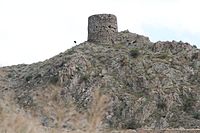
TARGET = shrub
x,y
9,75
161,102
28,78
161,105
163,56
134,53
189,102
54,79
131,124
196,115
194,46
84,78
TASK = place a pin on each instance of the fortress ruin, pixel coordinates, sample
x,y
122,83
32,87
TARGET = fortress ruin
x,y
102,28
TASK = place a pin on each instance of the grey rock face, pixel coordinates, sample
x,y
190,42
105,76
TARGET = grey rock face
x,y
102,28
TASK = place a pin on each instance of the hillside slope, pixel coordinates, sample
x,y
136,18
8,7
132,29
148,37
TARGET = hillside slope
x,y
154,85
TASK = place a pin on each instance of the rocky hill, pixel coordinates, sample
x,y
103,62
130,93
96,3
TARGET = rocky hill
x,y
115,80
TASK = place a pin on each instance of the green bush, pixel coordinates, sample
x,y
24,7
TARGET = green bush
x,y
194,46
9,75
84,78
134,53
131,124
196,115
189,102
54,79
162,105
28,78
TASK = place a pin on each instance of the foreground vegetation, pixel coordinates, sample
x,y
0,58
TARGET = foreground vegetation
x,y
15,120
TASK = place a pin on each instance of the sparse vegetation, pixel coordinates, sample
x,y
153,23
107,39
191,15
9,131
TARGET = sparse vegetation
x,y
196,115
134,53
119,46
97,110
28,78
15,120
161,104
84,78
132,124
194,46
189,102
9,75
54,79
163,56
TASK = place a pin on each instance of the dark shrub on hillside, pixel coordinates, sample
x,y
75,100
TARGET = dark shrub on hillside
x,y
134,53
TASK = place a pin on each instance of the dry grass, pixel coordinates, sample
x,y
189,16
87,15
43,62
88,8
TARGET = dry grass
x,y
2,72
89,121
61,110
15,120
97,111
2,75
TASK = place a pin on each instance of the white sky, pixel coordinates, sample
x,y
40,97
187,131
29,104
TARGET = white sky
x,y
35,30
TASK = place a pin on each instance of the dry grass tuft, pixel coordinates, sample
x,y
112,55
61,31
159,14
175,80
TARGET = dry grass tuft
x,y
2,72
16,120
97,111
65,112
62,110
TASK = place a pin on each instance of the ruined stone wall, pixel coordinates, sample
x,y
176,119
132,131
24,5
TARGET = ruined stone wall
x,y
102,28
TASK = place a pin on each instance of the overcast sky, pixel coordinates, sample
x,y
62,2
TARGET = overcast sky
x,y
35,30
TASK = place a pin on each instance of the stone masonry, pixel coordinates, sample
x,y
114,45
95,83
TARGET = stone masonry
x,y
102,28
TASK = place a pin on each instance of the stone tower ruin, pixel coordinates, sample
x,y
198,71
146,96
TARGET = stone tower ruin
x,y
102,28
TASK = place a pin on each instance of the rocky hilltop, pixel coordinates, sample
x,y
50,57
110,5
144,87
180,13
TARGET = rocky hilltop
x,y
120,78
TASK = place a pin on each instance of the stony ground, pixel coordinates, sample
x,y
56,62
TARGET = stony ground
x,y
129,84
